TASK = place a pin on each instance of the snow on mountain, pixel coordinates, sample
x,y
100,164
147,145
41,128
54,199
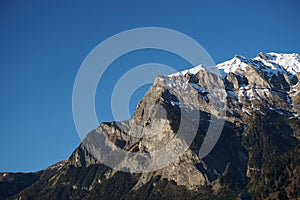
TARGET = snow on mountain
x,y
270,63
290,62
193,70
236,64
261,133
269,78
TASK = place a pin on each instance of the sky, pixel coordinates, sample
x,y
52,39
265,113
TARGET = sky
x,y
43,43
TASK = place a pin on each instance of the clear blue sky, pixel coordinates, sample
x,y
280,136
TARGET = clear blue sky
x,y
43,44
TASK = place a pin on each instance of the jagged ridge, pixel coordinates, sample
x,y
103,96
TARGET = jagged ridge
x,y
261,101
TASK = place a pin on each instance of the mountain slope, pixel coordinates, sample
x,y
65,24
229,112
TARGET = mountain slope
x,y
13,183
258,148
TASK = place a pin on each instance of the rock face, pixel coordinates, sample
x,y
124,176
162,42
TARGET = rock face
x,y
258,151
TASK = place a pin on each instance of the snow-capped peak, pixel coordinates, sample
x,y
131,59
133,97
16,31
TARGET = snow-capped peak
x,y
270,63
237,63
193,71
290,62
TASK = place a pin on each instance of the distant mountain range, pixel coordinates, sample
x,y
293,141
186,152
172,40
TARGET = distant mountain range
x,y
257,155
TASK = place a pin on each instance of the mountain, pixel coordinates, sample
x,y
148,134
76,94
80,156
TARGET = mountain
x,y
224,132
12,183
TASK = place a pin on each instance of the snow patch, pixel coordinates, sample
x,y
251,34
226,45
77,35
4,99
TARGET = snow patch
x,y
289,62
193,71
238,63
246,111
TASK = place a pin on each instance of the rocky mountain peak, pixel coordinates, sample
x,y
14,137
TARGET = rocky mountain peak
x,y
257,100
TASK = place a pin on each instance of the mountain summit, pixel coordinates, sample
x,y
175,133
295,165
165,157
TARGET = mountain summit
x,y
254,103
